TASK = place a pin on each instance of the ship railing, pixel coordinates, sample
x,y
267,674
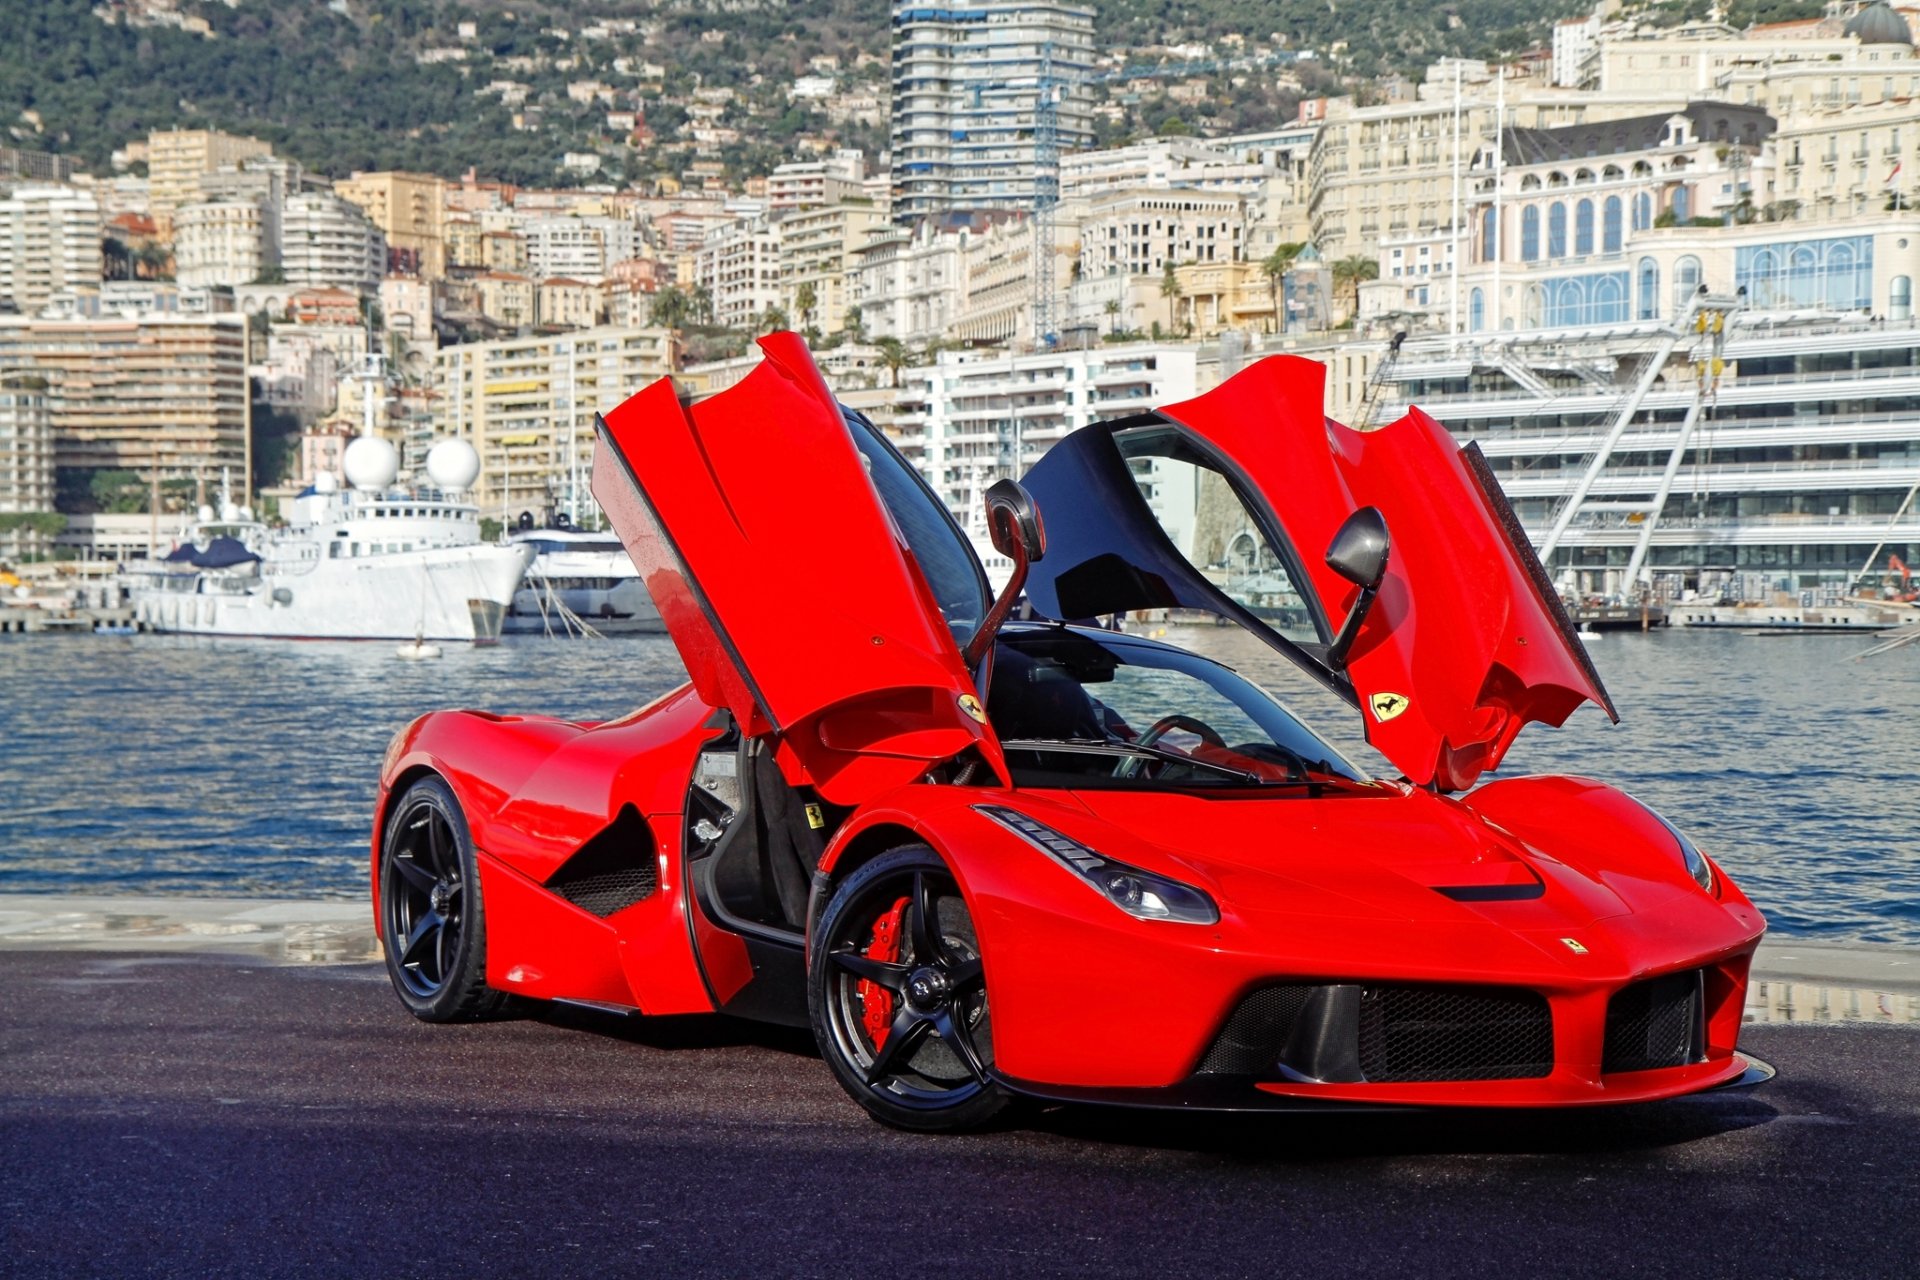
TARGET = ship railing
x,y
1660,434
1884,463
1777,519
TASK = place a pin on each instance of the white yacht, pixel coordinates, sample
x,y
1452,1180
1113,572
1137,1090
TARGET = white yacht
x,y
579,583
370,562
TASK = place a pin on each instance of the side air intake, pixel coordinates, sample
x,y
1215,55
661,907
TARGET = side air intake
x,y
612,871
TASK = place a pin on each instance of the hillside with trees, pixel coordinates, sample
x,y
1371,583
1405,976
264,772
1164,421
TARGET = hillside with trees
x,y
363,84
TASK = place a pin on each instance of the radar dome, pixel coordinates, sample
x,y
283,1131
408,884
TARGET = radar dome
x,y
325,482
371,463
453,465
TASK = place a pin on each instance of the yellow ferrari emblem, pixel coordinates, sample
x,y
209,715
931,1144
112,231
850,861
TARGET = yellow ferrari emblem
x,y
971,705
1573,945
1388,705
815,818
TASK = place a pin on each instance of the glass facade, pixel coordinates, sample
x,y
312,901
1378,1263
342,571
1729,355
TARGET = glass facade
x,y
1836,273
1566,302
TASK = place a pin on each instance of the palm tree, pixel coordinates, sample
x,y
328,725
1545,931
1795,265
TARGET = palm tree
x,y
1113,310
773,319
1353,272
700,304
895,356
670,308
805,299
1170,289
1276,265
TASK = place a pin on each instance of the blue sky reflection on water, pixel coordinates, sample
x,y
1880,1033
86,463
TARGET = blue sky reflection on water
x,y
174,765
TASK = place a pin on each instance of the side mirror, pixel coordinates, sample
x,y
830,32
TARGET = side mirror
x,y
1357,553
1013,521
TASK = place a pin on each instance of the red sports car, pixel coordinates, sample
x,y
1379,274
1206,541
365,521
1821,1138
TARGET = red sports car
x,y
987,857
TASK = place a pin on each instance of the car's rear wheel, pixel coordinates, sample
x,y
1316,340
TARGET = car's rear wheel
x,y
898,996
432,925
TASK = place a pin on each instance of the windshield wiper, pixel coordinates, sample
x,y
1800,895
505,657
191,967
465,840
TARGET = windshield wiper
x,y
1135,749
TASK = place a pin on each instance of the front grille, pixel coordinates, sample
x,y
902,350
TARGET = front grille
x,y
1657,1023
1349,1033
1454,1033
1256,1033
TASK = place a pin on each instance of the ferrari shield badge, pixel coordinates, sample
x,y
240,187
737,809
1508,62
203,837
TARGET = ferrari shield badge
x,y
971,705
1574,945
1387,705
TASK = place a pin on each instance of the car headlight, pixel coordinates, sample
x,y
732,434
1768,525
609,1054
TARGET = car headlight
x,y
1696,862
1138,893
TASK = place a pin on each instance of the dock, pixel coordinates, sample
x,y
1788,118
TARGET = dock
x,y
15,621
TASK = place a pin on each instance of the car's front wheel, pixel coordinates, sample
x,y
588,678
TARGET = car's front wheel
x,y
898,996
432,925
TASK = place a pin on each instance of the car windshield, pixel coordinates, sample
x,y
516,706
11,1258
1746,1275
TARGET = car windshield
x,y
946,561
1073,709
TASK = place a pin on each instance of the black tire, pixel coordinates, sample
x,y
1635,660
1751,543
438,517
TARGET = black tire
x,y
939,1076
432,922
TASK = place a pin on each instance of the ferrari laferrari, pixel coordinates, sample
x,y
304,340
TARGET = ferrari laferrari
x,y
990,848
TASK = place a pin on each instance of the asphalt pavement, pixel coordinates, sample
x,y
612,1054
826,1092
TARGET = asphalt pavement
x,y
182,1115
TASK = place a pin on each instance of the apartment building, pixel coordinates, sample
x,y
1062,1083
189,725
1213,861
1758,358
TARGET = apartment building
x,y
527,405
819,250
971,81
1389,170
1840,162
26,460
1163,164
908,284
155,391
328,240
177,159
581,248
973,417
224,242
410,210
1142,231
562,303
739,267
808,184
49,243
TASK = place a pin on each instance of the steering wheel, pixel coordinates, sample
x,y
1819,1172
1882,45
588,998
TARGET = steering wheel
x,y
1166,724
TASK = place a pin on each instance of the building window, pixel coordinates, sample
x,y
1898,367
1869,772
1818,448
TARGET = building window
x,y
1642,211
1682,203
1583,228
1835,273
1530,234
1477,310
1686,281
1649,289
1610,235
1900,298
1489,238
1557,231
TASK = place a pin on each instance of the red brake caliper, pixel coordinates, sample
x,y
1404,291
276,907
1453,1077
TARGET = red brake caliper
x,y
876,1002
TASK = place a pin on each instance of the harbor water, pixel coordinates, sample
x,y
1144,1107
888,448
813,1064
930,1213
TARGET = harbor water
x,y
172,765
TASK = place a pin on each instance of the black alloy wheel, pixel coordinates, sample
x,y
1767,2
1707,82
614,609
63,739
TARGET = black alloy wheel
x,y
431,923
898,996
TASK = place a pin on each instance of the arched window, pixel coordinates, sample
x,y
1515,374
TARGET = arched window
x,y
1583,228
1648,289
1530,234
1477,310
1609,300
1610,234
1803,277
1489,238
1838,271
1899,298
1642,211
1530,183
1557,230
1686,281
1682,203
